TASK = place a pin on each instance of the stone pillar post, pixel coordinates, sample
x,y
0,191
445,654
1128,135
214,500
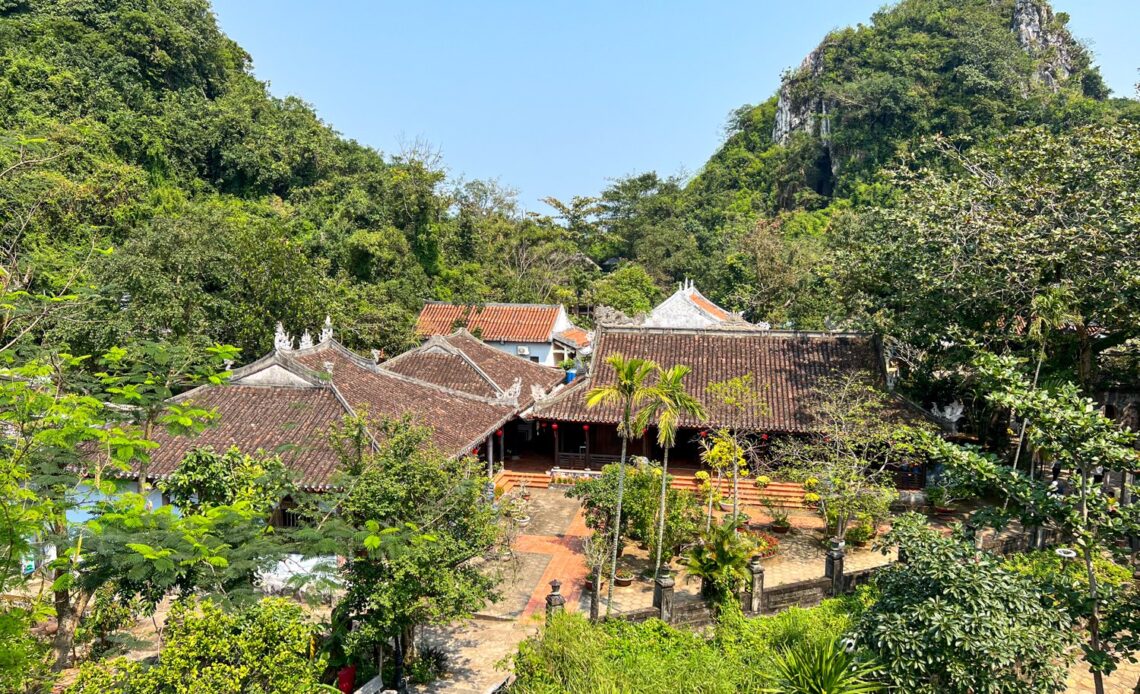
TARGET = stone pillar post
x,y
555,602
833,566
663,594
756,595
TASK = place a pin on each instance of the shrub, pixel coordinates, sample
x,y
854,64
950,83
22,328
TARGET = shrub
x,y
268,647
572,656
829,668
953,620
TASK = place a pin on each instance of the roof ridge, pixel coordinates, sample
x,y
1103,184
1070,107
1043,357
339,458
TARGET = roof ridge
x,y
738,330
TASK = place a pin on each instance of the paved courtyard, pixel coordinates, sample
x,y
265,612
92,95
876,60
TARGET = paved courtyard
x,y
549,548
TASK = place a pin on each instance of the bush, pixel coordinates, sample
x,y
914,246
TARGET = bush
x,y
953,620
573,656
430,664
268,647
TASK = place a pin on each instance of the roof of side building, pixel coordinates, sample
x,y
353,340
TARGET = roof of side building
x,y
498,322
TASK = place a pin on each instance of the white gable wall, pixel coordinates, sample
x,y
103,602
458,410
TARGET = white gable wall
x,y
678,312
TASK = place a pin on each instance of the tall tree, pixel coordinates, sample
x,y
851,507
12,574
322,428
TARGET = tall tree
x,y
629,390
1069,428
669,401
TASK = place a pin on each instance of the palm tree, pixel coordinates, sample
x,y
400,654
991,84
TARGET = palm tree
x,y
669,401
629,389
721,561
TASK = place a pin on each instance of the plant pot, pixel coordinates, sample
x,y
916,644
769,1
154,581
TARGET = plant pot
x,y
623,581
780,529
943,510
346,679
505,555
522,520
589,585
725,506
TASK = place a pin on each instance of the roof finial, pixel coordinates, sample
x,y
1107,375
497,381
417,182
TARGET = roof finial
x,y
326,331
282,341
306,340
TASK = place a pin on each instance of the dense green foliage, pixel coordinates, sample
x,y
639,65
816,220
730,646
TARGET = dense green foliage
x,y
268,647
953,619
572,655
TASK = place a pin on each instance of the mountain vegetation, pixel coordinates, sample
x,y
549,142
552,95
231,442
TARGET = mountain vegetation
x,y
146,172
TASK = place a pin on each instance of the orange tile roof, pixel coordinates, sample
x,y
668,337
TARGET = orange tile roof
x,y
503,322
716,311
576,337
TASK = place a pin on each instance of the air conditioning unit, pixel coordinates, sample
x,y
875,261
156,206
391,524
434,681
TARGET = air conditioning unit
x,y
523,351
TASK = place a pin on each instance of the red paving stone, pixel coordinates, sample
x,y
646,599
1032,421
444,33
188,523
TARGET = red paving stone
x,y
567,564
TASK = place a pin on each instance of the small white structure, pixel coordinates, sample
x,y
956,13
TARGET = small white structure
x,y
688,308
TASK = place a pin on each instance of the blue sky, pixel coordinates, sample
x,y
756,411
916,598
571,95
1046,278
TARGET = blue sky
x,y
553,97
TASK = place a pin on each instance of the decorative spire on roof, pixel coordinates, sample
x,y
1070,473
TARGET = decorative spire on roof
x,y
326,331
306,340
282,341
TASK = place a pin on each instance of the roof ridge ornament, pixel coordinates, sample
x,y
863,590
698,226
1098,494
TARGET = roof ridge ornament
x,y
327,329
282,341
306,340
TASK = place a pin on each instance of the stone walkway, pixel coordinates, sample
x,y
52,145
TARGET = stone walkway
x,y
550,548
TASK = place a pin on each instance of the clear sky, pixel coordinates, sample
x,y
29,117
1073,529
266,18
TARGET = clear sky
x,y
553,97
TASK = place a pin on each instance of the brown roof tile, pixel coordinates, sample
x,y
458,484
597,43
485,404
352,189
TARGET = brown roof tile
x,y
506,322
458,419
785,367
292,422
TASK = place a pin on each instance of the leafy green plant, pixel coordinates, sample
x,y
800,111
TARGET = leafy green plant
x,y
826,668
269,646
720,561
995,632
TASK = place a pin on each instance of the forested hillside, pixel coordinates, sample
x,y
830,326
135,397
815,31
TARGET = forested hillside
x,y
144,169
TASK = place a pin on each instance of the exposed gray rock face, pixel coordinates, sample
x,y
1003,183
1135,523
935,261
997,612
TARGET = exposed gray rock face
x,y
1033,23
799,113
1043,38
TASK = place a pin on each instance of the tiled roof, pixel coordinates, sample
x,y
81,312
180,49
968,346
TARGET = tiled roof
x,y
505,322
708,306
458,419
575,337
786,367
505,368
289,421
457,393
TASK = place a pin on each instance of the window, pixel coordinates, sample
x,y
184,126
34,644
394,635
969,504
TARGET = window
x,y
534,359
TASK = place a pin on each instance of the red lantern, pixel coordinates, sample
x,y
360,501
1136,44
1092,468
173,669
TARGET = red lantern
x,y
704,433
554,426
499,432
585,427
763,437
475,451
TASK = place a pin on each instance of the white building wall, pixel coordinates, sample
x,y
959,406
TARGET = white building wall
x,y
543,350
678,312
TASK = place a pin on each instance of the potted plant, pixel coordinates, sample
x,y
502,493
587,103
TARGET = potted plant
x,y
940,498
623,578
766,545
811,499
524,492
763,481
861,533
780,523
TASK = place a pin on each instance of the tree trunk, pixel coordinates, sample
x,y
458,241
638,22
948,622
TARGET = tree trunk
x,y
617,522
69,609
735,485
596,594
1085,365
1094,614
661,513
